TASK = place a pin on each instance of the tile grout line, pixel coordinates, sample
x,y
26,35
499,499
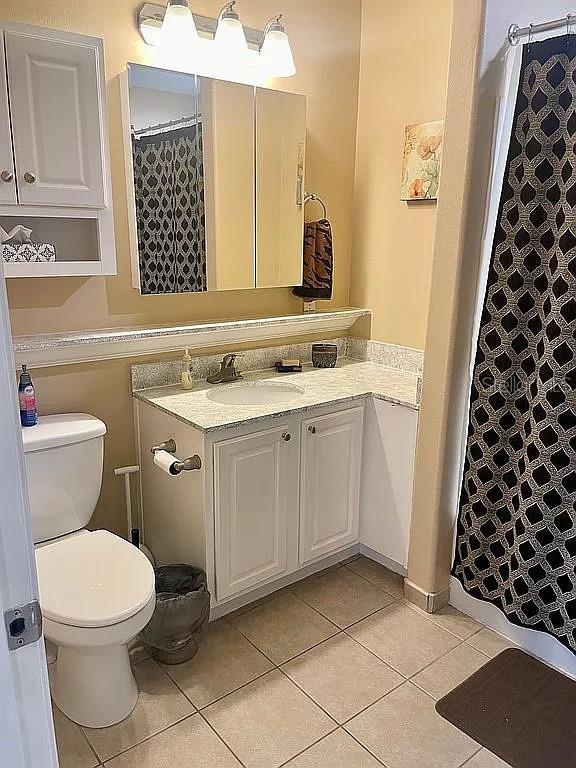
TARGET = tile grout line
x,y
342,629
278,666
365,747
465,763
147,738
300,653
228,747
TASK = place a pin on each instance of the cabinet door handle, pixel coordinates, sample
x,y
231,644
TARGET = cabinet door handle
x,y
29,177
286,436
312,430
7,176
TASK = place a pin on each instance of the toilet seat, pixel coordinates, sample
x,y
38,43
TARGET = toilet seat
x,y
95,579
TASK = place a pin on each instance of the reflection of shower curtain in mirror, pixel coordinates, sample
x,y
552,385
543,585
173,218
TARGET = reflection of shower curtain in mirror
x,y
169,190
516,533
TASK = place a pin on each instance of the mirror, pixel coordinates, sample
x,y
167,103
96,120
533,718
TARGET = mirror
x,y
215,174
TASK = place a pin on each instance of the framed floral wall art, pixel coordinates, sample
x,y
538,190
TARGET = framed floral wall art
x,y
422,161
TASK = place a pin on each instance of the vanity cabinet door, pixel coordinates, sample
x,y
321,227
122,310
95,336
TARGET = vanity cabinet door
x,y
254,480
330,482
56,109
7,175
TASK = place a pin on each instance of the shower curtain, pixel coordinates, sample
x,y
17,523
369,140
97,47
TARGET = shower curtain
x,y
516,529
169,190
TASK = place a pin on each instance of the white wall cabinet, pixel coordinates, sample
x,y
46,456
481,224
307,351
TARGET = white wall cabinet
x,y
7,170
55,109
331,452
282,498
54,159
253,477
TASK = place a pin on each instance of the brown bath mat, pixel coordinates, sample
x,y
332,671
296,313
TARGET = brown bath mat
x,y
518,708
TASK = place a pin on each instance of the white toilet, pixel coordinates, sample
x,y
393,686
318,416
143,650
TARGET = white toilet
x,y
96,589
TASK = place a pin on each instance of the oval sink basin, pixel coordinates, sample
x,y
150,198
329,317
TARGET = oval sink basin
x,y
255,393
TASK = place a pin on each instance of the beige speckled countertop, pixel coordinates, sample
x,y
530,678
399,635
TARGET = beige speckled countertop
x,y
351,380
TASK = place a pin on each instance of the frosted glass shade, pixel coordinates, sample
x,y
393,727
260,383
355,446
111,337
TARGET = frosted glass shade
x,y
276,53
230,40
178,27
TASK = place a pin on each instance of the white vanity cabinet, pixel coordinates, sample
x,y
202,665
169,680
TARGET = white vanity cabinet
x,y
330,462
387,480
255,482
272,498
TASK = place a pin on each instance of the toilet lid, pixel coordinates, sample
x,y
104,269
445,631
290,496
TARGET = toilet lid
x,y
93,580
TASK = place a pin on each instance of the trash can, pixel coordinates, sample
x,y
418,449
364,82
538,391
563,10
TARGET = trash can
x,y
182,611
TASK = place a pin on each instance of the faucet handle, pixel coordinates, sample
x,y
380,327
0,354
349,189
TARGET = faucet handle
x,y
229,359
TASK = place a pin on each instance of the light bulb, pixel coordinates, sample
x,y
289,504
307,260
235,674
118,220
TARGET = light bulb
x,y
230,40
178,27
276,52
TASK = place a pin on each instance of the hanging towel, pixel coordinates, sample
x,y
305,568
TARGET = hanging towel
x,y
318,262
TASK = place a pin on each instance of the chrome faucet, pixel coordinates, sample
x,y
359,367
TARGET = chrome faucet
x,y
227,372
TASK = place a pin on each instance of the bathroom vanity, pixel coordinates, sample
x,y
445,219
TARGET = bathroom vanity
x,y
297,472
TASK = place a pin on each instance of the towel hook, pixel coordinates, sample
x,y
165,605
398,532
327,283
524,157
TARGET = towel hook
x,y
310,197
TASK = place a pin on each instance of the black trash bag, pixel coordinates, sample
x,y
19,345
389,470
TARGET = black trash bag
x,y
182,611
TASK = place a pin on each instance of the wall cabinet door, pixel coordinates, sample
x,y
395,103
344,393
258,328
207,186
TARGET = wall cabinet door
x,y
330,465
280,152
254,477
56,120
7,175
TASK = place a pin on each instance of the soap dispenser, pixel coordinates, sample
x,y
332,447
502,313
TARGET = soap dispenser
x,y
186,380
27,398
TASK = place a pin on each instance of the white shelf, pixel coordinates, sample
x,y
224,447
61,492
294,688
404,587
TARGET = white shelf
x,y
52,268
111,343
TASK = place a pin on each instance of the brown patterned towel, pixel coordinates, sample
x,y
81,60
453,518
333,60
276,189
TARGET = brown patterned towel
x,y
318,258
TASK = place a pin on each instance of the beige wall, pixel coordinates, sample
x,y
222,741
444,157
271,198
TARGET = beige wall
x,y
103,389
479,37
432,518
325,37
327,63
403,70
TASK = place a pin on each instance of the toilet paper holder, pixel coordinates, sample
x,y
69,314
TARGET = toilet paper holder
x,y
188,465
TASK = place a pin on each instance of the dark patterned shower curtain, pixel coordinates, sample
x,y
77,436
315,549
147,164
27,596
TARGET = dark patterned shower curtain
x,y
169,190
516,533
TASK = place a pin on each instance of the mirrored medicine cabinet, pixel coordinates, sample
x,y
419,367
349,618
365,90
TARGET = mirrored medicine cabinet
x,y
215,174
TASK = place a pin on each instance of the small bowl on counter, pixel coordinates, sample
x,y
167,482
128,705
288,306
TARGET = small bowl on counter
x,y
324,355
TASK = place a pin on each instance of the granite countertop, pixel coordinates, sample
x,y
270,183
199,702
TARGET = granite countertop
x,y
351,380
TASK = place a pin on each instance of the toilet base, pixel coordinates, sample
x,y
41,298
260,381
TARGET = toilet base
x,y
94,687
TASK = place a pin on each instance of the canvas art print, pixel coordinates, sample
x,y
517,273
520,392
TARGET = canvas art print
x,y
422,160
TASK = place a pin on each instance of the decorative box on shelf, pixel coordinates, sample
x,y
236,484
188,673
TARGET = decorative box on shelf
x,y
28,252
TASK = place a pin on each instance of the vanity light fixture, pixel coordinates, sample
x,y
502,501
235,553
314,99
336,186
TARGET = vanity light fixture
x,y
178,27
230,39
225,38
277,59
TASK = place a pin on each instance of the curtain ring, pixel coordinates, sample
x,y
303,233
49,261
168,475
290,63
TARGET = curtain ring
x,y
568,23
530,34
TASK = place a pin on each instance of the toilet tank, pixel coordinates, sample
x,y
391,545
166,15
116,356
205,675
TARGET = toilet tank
x,y
64,460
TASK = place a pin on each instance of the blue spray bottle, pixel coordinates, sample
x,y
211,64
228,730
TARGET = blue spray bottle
x,y
27,398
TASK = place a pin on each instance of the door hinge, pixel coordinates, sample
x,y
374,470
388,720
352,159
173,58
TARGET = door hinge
x,y
23,625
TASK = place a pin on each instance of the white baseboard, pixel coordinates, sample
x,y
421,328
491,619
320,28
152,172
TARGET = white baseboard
x,y
392,565
431,602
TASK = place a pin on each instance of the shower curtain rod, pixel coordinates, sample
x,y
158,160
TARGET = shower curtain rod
x,y
169,124
515,32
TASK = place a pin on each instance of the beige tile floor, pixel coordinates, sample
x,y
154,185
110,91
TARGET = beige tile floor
x,y
338,671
